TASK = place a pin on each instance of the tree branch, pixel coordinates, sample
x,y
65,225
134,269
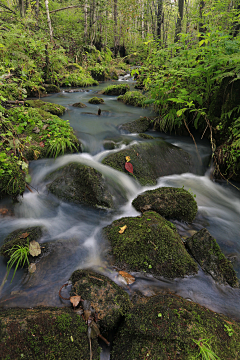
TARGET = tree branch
x,y
5,7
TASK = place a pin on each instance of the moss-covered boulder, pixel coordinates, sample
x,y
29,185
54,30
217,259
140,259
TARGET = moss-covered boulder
x,y
45,333
169,202
146,136
151,160
208,254
137,126
21,237
54,109
96,100
109,301
170,327
115,90
80,184
51,88
134,98
149,243
79,105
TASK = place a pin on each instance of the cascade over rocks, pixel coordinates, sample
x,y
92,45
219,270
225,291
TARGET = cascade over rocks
x,y
166,326
169,202
109,300
149,243
151,160
208,254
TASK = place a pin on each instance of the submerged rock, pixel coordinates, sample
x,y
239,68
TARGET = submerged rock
x,y
149,243
80,184
208,254
54,109
109,301
151,160
169,202
170,327
45,333
137,126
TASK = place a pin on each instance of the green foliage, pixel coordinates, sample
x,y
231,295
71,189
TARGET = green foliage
x,y
205,351
134,98
19,256
229,330
116,89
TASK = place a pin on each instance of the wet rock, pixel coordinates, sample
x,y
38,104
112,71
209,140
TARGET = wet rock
x,y
109,145
21,237
79,105
107,298
208,254
137,126
151,160
80,184
54,333
54,109
169,202
51,88
146,136
96,100
75,90
115,90
149,243
170,327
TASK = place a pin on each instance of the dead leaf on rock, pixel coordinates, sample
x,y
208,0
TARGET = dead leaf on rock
x,y
32,268
122,229
24,235
75,300
34,248
129,278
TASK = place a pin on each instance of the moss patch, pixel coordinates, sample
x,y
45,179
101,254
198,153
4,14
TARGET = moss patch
x,y
137,126
151,160
169,202
79,105
134,98
54,109
150,243
115,90
106,297
44,333
51,88
81,184
96,100
208,254
146,136
166,326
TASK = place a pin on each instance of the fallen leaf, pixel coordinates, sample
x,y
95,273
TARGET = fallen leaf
x,y
36,130
32,268
127,158
129,167
87,314
24,235
122,229
129,278
34,248
75,300
41,144
94,330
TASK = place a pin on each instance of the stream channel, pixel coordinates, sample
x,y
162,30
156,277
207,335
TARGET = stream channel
x,y
76,229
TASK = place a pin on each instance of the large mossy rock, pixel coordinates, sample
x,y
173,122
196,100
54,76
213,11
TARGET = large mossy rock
x,y
137,126
149,243
96,100
208,254
169,202
115,90
54,109
151,160
20,237
45,333
109,300
51,88
167,326
80,184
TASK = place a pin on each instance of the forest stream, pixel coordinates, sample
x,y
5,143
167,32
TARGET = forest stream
x,y
77,228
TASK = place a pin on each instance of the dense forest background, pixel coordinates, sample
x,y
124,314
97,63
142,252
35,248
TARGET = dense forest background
x,y
186,53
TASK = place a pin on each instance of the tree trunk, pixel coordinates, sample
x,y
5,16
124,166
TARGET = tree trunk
x,y
115,14
49,21
85,21
179,20
159,20
202,29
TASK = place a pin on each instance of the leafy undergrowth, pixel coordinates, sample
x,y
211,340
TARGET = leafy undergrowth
x,y
134,98
28,133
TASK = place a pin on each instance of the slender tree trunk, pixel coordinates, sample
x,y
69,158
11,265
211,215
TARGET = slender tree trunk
x,y
159,20
85,21
21,8
202,29
179,20
115,12
49,21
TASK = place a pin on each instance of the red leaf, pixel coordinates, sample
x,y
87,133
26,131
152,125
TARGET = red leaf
x,y
129,167
41,144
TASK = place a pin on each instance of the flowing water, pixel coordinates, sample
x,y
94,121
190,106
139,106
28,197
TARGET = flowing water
x,y
75,230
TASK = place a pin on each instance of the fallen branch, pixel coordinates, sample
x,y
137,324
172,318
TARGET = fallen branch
x,y
7,8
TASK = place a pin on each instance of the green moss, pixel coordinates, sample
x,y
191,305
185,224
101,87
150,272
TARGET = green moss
x,y
54,109
169,202
138,126
96,100
51,88
45,333
150,243
165,326
208,254
79,105
147,137
12,179
12,91
116,89
134,98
